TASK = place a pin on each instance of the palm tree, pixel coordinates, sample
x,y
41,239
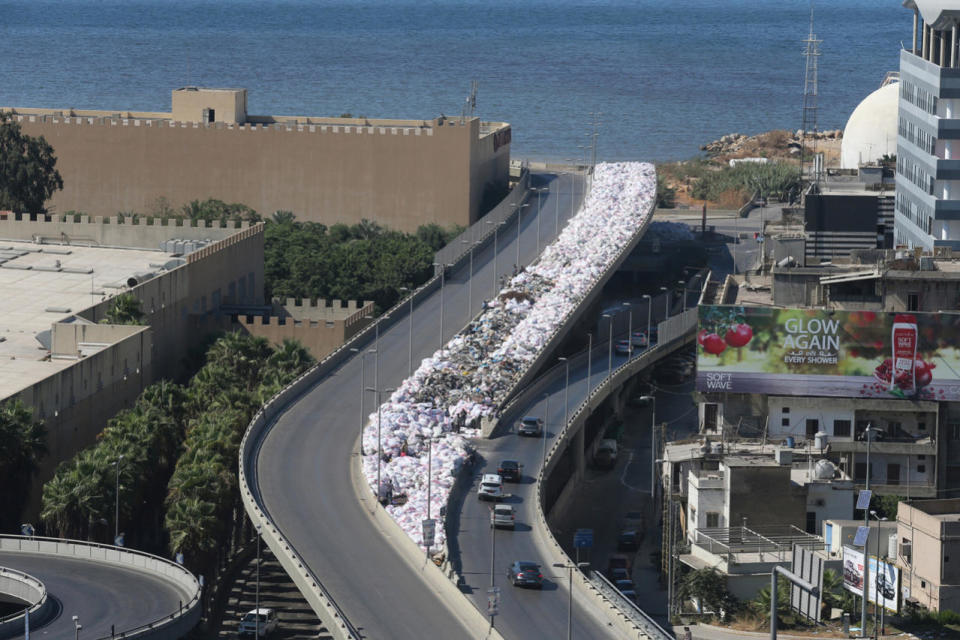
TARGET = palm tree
x,y
290,359
195,529
124,309
283,217
24,444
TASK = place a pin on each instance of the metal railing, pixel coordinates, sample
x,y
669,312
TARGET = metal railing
x,y
187,614
640,617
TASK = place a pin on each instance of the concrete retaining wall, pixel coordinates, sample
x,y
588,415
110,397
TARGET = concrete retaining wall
x,y
173,626
30,590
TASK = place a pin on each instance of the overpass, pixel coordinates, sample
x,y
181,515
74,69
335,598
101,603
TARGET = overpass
x,y
300,484
114,592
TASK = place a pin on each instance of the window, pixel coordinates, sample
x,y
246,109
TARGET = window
x,y
841,428
813,425
921,468
913,302
811,522
785,422
211,115
785,410
955,431
921,426
923,584
693,517
713,520
921,457
893,473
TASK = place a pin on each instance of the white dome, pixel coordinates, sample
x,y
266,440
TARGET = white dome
x,y
871,131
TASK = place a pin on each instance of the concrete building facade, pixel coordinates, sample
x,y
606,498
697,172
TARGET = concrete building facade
x,y
928,553
928,132
399,173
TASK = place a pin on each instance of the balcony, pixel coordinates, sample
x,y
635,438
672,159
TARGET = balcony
x,y
706,480
900,445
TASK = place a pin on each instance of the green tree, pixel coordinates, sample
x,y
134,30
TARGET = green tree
x,y
124,309
283,217
28,173
761,604
24,444
710,588
666,195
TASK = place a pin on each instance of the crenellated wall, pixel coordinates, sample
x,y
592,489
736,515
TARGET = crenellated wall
x,y
399,173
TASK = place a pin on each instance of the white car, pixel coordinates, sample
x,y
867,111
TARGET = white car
x,y
503,515
491,487
249,623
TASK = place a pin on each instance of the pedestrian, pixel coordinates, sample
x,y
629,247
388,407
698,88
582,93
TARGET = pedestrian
x,y
687,635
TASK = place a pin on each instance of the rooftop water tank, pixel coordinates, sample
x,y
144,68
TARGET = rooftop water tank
x,y
824,470
820,440
716,448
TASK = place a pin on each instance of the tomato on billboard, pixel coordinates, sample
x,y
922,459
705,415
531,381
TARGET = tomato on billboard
x,y
818,352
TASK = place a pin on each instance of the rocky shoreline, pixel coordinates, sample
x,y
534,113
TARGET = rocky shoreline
x,y
779,142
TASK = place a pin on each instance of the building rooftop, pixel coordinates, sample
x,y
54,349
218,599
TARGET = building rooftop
x,y
44,284
947,510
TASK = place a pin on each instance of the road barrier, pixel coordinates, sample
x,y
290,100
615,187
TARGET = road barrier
x,y
173,625
309,584
26,588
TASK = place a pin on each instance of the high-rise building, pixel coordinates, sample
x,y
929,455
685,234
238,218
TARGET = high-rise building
x,y
928,135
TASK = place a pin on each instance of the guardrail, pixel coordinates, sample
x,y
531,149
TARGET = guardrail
x,y
671,331
173,625
24,587
309,584
648,624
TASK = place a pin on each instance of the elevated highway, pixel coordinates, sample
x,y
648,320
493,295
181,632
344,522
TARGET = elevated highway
x,y
112,591
297,457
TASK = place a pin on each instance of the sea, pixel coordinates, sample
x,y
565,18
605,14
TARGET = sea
x,y
648,80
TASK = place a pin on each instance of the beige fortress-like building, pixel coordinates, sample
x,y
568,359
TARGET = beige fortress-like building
x,y
399,173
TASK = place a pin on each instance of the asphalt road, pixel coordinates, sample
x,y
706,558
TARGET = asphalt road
x,y
100,594
528,613
303,466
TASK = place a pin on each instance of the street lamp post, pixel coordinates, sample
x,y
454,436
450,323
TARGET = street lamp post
x,y
556,215
443,275
76,627
116,517
653,441
470,282
629,330
666,301
546,419
876,603
589,362
519,208
566,390
257,596
496,232
868,432
683,284
538,191
649,300
610,346
410,338
379,438
570,568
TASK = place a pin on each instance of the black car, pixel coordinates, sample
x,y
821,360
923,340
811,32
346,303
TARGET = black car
x,y
628,540
525,574
509,470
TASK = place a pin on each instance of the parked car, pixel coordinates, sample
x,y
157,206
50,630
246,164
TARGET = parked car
x,y
623,348
263,619
619,573
530,426
491,487
503,515
619,561
525,574
510,470
628,540
624,585
639,338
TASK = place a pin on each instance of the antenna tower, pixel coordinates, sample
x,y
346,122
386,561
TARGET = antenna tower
x,y
470,104
811,52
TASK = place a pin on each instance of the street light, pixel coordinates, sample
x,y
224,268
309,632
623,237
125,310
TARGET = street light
x,y
410,339
868,433
257,596
363,359
470,281
589,362
496,232
566,390
443,274
76,627
610,346
876,604
570,567
649,300
519,208
629,330
653,440
116,518
379,439
538,191
546,419
683,284
666,302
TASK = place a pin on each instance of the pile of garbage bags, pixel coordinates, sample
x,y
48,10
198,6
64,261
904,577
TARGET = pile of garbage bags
x,y
416,443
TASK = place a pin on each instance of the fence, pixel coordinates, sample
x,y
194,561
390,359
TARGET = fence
x,y
173,625
28,589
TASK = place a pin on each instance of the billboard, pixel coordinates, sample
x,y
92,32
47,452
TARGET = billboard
x,y
818,352
886,581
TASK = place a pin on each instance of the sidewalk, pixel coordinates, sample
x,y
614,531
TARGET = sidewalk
x,y
710,632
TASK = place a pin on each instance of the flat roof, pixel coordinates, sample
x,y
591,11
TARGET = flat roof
x,y
947,509
61,281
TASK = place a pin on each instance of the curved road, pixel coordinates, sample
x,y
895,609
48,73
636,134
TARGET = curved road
x,y
525,613
101,594
302,472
